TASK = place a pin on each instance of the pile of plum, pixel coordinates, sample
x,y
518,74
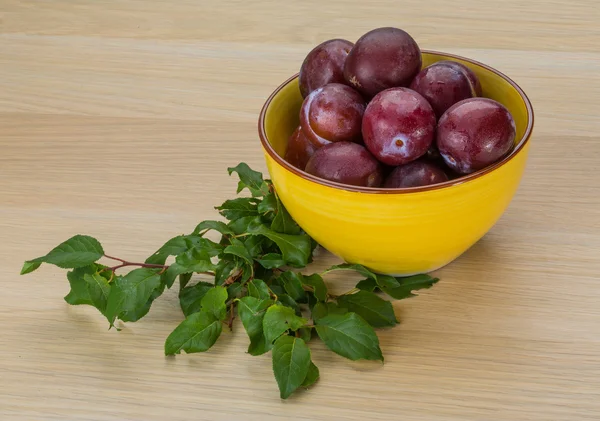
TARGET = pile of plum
x,y
372,117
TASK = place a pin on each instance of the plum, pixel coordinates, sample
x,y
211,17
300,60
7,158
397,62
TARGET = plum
x,y
346,163
299,149
415,174
332,113
398,126
382,58
475,133
324,64
445,83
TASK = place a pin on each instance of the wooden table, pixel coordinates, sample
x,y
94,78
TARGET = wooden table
x,y
118,119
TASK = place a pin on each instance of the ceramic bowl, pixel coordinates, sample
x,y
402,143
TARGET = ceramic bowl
x,y
398,231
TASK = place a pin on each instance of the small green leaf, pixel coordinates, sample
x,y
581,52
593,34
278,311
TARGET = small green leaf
x,y
291,362
321,310
253,180
409,284
386,281
287,301
224,268
258,289
240,226
316,282
350,336
367,285
234,291
181,244
292,283
305,333
271,261
76,252
213,302
296,249
252,312
197,333
130,294
195,259
190,298
268,204
79,293
283,222
375,310
173,271
219,226
312,376
354,267
254,245
238,208
184,279
239,249
98,290
29,266
280,319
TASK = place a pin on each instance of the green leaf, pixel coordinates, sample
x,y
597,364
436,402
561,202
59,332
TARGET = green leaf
x,y
238,208
258,289
268,204
280,319
271,260
184,279
283,222
190,298
224,268
292,283
253,180
195,259
350,336
295,249
79,293
129,295
321,310
29,266
354,267
197,333
316,282
240,226
173,271
98,290
234,291
252,312
213,302
291,362
367,285
375,310
181,244
305,333
254,245
76,252
219,226
312,376
287,301
409,284
239,249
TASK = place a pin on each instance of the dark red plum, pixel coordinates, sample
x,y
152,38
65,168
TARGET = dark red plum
x,y
324,64
415,174
382,58
445,83
299,149
346,163
332,113
398,126
475,133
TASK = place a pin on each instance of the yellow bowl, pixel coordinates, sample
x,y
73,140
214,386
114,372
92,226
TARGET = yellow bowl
x,y
397,231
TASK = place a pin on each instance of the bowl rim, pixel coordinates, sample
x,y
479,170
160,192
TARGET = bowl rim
x,y
380,190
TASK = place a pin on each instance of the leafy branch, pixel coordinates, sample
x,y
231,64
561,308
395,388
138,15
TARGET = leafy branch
x,y
253,265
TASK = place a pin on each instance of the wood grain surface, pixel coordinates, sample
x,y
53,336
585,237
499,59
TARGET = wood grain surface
x,y
118,119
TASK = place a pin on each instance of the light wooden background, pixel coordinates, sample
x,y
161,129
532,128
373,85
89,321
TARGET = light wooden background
x,y
118,119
